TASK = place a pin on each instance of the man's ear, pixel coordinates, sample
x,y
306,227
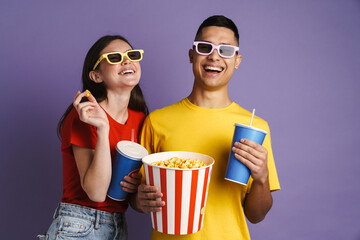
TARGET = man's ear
x,y
238,61
191,55
95,77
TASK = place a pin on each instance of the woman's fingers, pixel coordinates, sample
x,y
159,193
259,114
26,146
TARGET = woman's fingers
x,y
130,184
133,180
90,97
80,95
77,99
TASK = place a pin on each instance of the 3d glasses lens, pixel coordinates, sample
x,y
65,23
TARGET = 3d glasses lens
x,y
134,55
115,57
204,47
227,51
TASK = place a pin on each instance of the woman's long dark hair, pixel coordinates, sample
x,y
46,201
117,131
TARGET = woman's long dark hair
x,y
98,90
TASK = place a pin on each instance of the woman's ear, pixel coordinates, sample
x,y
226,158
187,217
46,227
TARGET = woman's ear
x,y
95,77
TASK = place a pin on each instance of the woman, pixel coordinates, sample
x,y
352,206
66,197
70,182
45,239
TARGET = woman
x,y
89,133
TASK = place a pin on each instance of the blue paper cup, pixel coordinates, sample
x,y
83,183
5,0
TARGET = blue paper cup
x,y
236,170
128,159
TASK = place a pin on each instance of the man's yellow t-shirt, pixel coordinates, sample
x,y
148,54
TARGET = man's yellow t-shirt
x,y
184,126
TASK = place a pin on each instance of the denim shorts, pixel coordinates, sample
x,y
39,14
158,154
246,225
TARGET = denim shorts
x,y
77,222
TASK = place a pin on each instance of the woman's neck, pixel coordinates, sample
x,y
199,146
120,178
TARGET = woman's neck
x,y
116,105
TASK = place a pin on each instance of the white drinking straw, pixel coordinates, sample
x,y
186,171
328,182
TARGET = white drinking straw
x,y
132,134
252,117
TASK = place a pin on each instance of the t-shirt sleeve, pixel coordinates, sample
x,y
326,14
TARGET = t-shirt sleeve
x,y
76,132
147,135
146,140
273,177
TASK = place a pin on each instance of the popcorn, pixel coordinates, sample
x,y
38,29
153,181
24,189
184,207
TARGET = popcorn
x,y
88,93
176,162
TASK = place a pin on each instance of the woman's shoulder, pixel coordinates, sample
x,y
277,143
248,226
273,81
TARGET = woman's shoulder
x,y
72,123
74,131
136,116
136,113
70,117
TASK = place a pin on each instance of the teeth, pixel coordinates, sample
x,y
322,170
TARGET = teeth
x,y
213,68
127,71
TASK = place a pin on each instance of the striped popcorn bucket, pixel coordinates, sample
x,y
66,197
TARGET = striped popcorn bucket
x,y
184,192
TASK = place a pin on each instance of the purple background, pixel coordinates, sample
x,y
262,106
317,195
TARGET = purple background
x,y
300,70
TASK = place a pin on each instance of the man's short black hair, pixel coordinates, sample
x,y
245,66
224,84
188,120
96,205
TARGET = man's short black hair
x,y
218,21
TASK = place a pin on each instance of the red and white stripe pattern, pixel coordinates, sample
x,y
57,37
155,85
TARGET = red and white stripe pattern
x,y
185,193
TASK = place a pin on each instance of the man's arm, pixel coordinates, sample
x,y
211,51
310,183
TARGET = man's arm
x,y
259,201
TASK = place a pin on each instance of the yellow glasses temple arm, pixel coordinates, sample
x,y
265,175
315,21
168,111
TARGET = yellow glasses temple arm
x,y
98,61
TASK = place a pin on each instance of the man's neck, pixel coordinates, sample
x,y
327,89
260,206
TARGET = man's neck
x,y
210,99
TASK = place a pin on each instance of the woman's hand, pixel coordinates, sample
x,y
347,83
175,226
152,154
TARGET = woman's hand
x,y
90,112
131,183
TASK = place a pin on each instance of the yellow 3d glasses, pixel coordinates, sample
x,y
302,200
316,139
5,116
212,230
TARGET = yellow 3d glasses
x,y
117,57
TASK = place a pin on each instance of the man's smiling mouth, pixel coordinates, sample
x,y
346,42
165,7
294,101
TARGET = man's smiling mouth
x,y
213,69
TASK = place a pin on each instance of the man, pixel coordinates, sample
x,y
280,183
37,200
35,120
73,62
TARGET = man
x,y
204,122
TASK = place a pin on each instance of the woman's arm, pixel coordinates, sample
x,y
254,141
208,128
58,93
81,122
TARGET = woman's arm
x,y
94,168
94,165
